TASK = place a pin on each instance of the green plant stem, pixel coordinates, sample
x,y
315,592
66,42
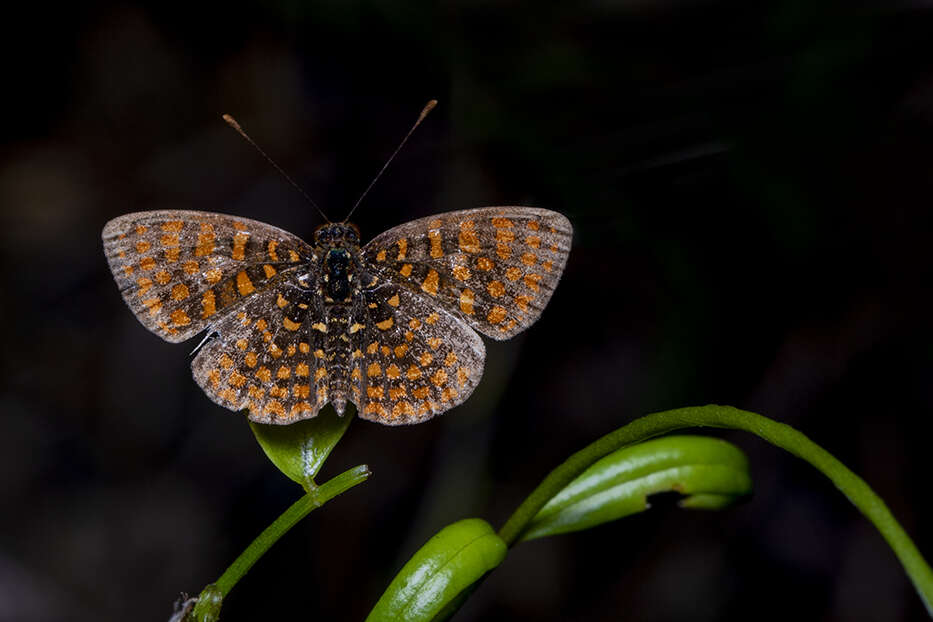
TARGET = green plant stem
x,y
779,434
315,498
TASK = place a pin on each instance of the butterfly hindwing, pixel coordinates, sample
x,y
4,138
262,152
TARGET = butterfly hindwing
x,y
179,270
416,360
267,357
494,267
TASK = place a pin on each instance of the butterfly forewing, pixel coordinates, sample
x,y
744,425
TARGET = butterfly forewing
x,y
494,267
179,271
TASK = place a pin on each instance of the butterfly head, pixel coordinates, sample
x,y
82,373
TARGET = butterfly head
x,y
337,235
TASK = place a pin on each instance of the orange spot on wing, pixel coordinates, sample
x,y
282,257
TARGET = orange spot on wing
x,y
531,281
153,304
431,283
466,301
485,264
179,291
385,324
208,304
513,273
243,284
206,239
439,378
180,318
147,263
145,284
142,246
162,277
496,315
522,302
461,273
435,238
236,379
495,288
239,245
467,239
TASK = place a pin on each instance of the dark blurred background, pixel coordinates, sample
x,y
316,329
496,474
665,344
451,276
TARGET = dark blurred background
x,y
750,186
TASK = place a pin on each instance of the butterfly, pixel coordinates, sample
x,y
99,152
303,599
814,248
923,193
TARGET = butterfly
x,y
291,326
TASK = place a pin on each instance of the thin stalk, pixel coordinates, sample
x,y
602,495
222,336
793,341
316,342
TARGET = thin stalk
x,y
779,434
209,601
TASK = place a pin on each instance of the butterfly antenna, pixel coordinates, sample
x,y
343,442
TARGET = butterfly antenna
x,y
233,123
427,108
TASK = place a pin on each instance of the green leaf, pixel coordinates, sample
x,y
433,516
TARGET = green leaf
x,y
449,563
299,449
710,472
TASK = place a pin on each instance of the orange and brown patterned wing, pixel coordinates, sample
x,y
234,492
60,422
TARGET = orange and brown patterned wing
x,y
180,270
494,267
266,356
415,360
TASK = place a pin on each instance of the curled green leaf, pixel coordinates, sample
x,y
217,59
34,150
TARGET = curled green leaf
x,y
300,449
710,472
450,562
